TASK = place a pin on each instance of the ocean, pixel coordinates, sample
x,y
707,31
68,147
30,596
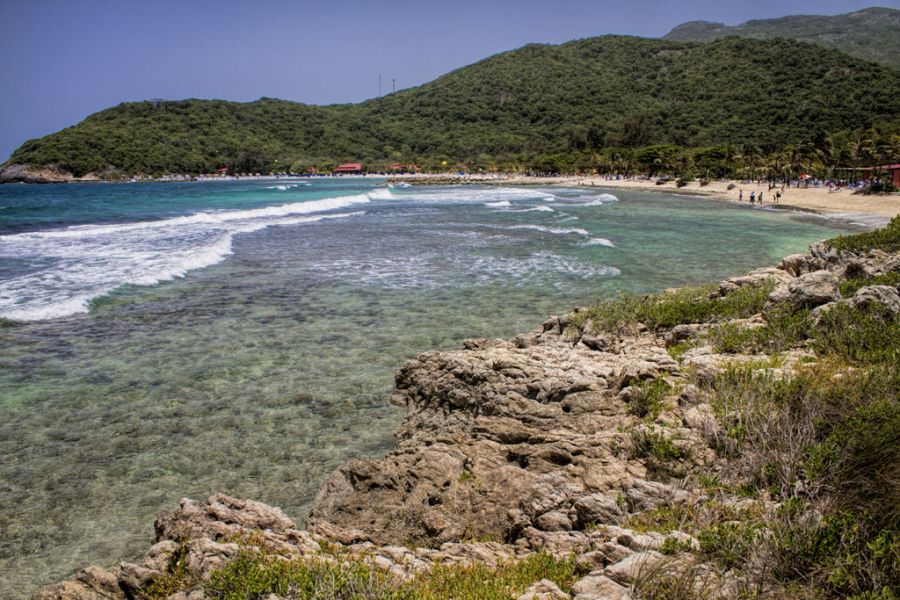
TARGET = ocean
x,y
174,340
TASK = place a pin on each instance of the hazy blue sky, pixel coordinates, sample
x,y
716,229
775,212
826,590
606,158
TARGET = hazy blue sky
x,y
65,59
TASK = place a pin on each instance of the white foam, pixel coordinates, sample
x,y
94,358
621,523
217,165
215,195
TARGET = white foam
x,y
464,193
500,204
553,230
382,194
287,186
590,199
541,208
81,263
599,241
466,270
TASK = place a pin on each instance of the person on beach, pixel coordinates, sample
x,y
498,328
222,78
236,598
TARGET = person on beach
x,y
760,197
777,197
741,195
752,197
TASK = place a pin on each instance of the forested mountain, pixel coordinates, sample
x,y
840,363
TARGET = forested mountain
x,y
871,34
541,107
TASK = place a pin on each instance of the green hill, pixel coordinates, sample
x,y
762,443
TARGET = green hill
x,y
512,110
871,34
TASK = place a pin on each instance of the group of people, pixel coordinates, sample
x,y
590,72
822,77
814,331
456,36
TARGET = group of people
x,y
754,198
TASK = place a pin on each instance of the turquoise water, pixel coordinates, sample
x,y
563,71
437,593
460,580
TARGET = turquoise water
x,y
182,339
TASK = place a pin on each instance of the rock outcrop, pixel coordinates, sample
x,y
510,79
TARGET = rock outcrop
x,y
502,436
529,444
29,174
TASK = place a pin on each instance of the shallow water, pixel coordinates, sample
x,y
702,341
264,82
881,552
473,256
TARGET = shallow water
x,y
258,369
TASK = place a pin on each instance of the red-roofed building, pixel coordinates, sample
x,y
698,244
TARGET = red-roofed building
x,y
894,172
889,172
349,168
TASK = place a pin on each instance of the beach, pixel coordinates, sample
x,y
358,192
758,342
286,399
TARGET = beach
x,y
870,210
817,199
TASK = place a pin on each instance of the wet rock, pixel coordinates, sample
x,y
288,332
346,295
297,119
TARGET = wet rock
x,y
91,583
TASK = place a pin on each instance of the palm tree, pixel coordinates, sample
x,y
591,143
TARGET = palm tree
x,y
862,147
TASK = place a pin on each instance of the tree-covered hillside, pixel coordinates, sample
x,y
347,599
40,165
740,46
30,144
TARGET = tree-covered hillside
x,y
538,105
871,34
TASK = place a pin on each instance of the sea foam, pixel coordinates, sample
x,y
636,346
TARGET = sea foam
x,y
75,265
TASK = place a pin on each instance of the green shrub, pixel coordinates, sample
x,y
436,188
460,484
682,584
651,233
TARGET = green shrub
x,y
254,574
869,335
841,554
480,582
648,443
728,544
887,238
685,305
851,286
177,577
672,546
647,403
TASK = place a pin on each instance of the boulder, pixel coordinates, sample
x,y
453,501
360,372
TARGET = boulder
x,y
632,568
795,264
884,295
91,583
544,590
808,290
597,509
599,587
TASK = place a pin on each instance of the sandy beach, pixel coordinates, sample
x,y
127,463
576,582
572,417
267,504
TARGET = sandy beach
x,y
842,203
817,199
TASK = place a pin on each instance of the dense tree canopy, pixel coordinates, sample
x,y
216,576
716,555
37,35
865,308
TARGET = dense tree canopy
x,y
583,105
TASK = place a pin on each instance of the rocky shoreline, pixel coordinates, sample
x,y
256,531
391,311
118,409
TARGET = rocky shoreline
x,y
515,447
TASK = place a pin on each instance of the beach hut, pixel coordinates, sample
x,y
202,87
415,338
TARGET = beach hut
x,y
349,168
893,172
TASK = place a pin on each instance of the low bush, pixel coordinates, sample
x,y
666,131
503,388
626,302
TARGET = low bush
x,y
686,305
729,544
851,286
647,402
887,238
256,573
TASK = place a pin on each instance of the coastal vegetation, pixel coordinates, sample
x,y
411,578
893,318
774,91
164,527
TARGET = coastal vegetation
x,y
331,575
821,440
731,107
761,459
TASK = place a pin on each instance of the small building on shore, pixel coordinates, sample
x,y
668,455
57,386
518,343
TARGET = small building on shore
x,y
887,173
349,168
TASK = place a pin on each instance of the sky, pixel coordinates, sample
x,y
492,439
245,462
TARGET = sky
x,y
66,59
